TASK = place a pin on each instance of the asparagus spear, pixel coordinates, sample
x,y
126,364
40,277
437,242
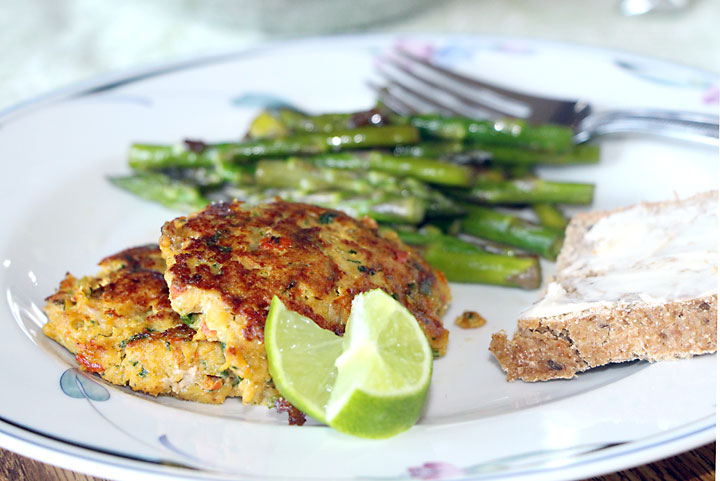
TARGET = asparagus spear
x,y
193,153
514,171
527,191
551,216
381,206
302,175
579,154
439,206
180,195
428,170
447,225
478,153
307,177
437,149
202,177
511,230
238,174
266,126
295,121
453,230
484,267
282,122
510,132
188,154
157,187
462,261
409,210
299,173
425,236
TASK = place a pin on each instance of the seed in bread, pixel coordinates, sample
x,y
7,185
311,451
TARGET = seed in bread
x,y
632,283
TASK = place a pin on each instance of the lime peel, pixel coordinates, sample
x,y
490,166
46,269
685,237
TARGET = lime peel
x,y
372,383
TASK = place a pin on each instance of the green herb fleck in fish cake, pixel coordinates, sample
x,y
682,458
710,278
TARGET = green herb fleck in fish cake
x,y
120,325
226,262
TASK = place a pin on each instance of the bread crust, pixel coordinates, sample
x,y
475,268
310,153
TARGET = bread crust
x,y
560,346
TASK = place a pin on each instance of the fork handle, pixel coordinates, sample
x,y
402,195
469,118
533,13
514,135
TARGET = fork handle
x,y
690,126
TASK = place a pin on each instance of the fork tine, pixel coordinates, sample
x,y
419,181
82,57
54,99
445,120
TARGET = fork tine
x,y
464,92
391,101
424,97
417,97
404,102
414,103
533,108
475,83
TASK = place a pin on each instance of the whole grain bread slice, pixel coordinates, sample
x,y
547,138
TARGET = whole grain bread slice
x,y
561,341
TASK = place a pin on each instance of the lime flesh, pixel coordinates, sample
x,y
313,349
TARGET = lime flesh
x,y
371,383
301,358
384,371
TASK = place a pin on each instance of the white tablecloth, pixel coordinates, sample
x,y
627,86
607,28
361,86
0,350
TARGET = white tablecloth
x,y
47,44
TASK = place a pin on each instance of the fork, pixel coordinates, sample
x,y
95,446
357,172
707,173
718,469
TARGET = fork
x,y
415,85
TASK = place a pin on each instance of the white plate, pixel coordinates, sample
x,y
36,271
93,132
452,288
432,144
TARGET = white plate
x,y
61,215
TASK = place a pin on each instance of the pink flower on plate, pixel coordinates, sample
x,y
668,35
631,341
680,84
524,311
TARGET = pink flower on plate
x,y
422,49
418,48
514,47
711,95
436,470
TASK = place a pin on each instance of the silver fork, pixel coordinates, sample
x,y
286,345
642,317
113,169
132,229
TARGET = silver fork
x,y
414,85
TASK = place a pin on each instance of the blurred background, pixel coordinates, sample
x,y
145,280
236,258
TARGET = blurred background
x,y
48,44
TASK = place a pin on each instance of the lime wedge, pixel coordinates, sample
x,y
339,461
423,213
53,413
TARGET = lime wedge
x,y
301,358
384,371
371,383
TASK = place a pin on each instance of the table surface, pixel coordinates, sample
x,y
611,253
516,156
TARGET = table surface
x,y
695,465
48,44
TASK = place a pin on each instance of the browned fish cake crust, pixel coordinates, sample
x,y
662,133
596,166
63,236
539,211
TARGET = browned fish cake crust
x,y
229,261
120,325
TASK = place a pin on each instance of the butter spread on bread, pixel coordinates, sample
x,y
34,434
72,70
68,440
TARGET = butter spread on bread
x,y
633,283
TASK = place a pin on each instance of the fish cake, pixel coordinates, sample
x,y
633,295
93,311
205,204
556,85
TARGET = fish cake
x,y
120,325
226,262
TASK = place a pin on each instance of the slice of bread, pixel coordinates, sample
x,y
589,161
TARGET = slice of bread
x,y
633,283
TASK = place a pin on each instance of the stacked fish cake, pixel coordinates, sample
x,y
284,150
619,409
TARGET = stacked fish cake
x,y
119,324
189,321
